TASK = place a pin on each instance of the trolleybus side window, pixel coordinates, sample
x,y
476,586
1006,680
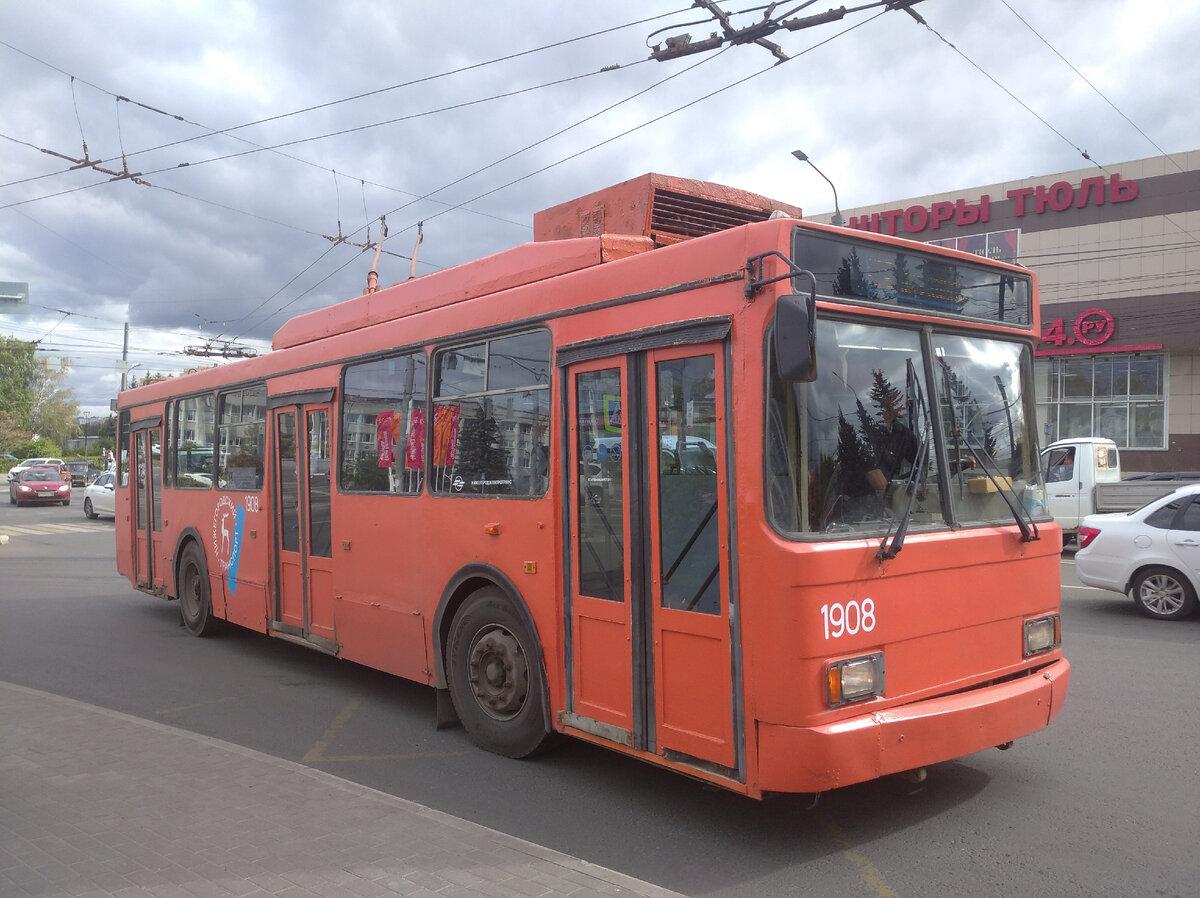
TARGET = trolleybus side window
x,y
383,425
192,442
243,438
491,417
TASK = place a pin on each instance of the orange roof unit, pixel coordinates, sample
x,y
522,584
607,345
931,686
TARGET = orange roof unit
x,y
664,208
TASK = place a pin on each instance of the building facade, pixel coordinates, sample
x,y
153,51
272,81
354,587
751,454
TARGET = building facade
x,y
1117,255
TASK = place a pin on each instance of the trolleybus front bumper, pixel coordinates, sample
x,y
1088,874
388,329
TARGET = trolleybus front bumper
x,y
907,737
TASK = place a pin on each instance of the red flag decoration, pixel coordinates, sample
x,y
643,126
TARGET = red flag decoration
x,y
383,438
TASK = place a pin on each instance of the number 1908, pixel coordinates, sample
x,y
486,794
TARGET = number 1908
x,y
849,619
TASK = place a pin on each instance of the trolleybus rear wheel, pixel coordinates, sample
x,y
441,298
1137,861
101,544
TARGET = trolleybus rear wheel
x,y
195,599
496,677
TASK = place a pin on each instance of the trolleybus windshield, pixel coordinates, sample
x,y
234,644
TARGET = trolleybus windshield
x,y
898,412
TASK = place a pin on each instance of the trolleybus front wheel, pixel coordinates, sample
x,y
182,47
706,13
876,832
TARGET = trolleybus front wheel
x,y
195,599
496,677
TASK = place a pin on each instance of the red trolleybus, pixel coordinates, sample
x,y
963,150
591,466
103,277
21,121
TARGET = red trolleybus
x,y
749,497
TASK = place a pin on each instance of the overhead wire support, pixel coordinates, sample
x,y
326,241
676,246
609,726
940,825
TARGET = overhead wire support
x,y
227,350
756,33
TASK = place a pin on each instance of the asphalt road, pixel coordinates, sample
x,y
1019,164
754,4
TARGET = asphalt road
x,y
1104,802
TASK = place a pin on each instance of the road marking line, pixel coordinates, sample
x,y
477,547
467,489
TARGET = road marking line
x,y
47,529
177,709
869,873
317,752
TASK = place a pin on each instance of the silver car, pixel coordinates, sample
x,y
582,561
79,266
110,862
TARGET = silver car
x,y
1152,553
28,463
100,497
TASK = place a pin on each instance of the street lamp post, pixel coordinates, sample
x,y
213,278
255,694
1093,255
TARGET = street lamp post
x,y
124,367
837,212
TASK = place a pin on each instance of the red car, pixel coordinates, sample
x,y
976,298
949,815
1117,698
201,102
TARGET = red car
x,y
44,484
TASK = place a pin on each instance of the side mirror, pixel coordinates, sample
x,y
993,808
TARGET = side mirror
x,y
796,336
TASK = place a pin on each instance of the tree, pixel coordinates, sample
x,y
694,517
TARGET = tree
x,y
17,370
11,432
55,409
886,396
479,451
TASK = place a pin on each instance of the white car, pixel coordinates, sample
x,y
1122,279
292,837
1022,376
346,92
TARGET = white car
x,y
32,462
100,496
1152,553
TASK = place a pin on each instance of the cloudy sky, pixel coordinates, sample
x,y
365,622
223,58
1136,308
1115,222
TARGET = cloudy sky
x,y
261,131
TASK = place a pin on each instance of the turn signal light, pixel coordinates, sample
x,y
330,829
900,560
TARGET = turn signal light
x,y
854,679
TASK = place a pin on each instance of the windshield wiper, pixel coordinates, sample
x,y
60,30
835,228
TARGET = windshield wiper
x,y
916,478
916,481
1024,519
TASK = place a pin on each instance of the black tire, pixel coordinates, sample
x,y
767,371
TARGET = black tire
x,y
1163,594
195,596
88,511
496,678
65,504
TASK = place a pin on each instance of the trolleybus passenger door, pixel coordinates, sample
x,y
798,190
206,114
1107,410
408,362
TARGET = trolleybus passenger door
x,y
601,656
650,648
689,564
303,535
147,503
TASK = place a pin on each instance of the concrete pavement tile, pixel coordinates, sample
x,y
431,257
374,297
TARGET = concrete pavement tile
x,y
120,817
170,890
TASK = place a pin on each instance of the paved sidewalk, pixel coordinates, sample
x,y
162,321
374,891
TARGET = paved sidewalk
x,y
95,803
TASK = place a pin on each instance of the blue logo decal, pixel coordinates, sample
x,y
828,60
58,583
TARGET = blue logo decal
x,y
235,551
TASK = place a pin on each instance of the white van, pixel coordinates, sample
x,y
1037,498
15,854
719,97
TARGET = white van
x,y
1071,469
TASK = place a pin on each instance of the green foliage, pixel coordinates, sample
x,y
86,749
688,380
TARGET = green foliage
x,y
12,432
17,371
364,473
55,410
479,449
39,448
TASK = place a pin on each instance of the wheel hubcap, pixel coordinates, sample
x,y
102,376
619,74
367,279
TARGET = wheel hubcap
x,y
1162,594
498,672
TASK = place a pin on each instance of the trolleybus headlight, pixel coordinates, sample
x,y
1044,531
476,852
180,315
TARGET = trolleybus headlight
x,y
854,679
1042,634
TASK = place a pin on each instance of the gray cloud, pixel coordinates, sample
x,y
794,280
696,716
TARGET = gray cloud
x,y
235,241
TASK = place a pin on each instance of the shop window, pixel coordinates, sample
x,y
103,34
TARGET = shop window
x,y
1120,397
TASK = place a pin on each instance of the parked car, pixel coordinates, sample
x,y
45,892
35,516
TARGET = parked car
x,y
41,485
82,472
1152,553
15,470
100,498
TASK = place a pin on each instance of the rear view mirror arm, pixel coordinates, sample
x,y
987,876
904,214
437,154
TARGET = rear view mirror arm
x,y
754,273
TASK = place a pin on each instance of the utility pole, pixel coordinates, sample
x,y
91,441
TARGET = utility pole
x,y
125,359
